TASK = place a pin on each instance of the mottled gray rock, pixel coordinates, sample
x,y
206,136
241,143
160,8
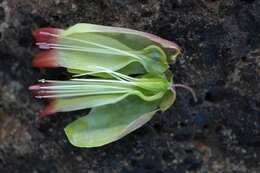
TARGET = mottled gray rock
x,y
221,61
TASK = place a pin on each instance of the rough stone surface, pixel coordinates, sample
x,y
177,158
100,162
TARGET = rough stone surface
x,y
221,61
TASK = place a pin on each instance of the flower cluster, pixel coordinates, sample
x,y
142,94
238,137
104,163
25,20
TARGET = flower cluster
x,y
121,74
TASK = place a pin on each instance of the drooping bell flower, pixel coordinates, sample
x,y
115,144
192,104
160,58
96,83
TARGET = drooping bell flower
x,y
83,47
77,94
120,74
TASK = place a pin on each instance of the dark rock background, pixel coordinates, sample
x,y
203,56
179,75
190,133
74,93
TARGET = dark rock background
x,y
220,60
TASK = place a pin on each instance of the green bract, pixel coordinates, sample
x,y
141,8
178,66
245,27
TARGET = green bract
x,y
121,74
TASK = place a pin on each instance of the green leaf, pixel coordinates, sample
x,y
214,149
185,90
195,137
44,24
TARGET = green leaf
x,y
167,100
109,123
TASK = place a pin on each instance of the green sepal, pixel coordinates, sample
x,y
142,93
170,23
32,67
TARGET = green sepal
x,y
109,123
167,100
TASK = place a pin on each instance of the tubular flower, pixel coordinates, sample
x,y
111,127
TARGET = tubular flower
x,y
121,74
85,46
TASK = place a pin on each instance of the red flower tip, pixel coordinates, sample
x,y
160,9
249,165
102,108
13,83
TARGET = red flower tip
x,y
49,109
46,34
45,59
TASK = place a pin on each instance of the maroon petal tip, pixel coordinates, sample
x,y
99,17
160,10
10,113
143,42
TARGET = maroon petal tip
x,y
49,109
45,59
39,35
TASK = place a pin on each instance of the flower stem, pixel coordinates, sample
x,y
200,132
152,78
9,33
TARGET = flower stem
x,y
187,88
